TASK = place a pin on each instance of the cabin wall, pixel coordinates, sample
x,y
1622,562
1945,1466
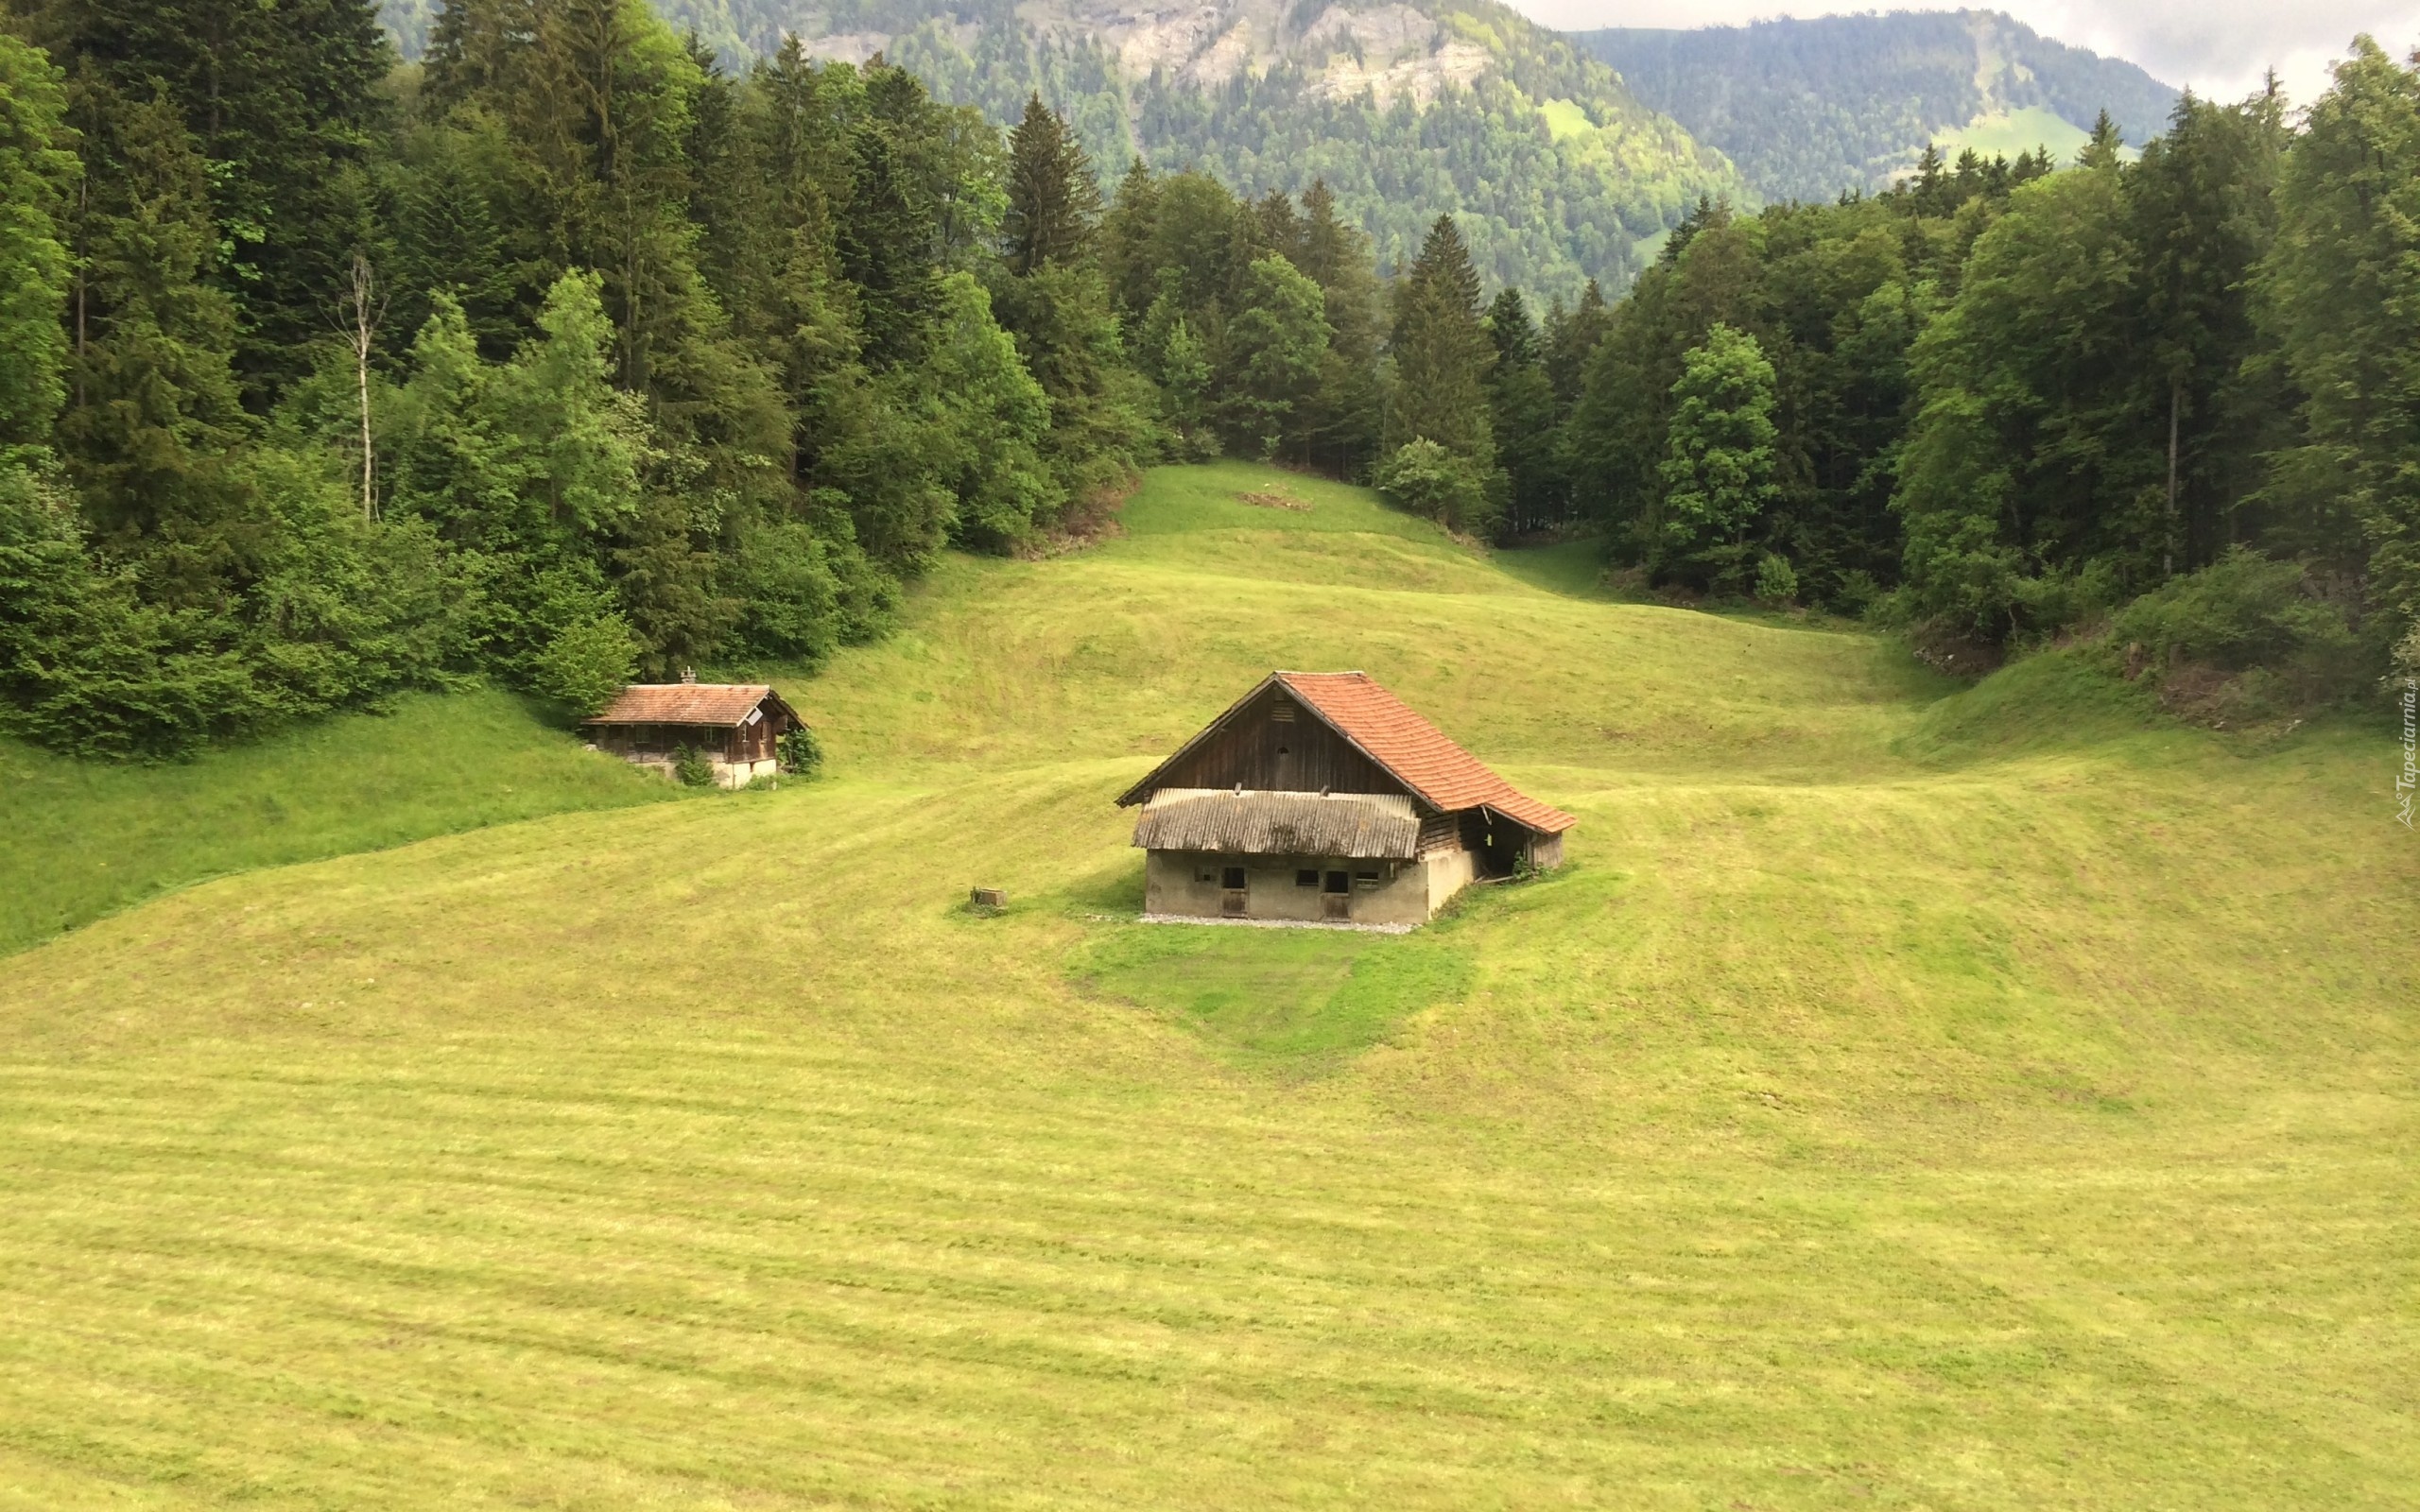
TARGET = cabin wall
x,y
1192,884
1258,749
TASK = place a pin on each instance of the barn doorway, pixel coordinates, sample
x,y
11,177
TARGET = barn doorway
x,y
1336,895
1496,845
1234,897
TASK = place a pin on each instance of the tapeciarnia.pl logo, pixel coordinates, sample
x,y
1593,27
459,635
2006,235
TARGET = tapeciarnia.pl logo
x,y
2405,780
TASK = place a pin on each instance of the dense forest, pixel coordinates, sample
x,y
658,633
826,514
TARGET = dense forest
x,y
1810,108
1554,171
2000,404
569,354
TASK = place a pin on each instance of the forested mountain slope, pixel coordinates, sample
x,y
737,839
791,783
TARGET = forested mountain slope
x,y
1807,108
1554,169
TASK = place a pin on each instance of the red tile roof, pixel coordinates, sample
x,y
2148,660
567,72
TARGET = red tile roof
x,y
1416,751
722,704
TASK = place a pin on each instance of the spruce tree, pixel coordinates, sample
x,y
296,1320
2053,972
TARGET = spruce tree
x,y
1441,351
1053,200
37,173
1340,424
1522,415
153,404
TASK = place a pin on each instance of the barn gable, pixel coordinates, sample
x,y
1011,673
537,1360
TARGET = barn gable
x,y
1270,740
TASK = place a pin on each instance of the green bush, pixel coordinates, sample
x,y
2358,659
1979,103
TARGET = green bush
x,y
692,768
802,754
1776,579
1424,478
2242,611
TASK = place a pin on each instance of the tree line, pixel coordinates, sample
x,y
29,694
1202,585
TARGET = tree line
x,y
2000,404
568,355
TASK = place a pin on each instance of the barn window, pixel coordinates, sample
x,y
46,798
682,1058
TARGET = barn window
x,y
1336,882
1234,879
1308,878
1282,712
1367,879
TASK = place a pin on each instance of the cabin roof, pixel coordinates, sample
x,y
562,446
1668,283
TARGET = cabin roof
x,y
721,705
1415,752
1259,822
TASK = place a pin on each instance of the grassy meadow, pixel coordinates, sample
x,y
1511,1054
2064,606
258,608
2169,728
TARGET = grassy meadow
x,y
1907,1095
86,838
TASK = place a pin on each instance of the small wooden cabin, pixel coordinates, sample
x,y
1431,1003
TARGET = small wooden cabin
x,y
736,726
1320,796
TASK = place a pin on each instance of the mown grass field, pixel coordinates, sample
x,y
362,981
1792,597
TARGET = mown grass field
x,y
1906,1097
86,838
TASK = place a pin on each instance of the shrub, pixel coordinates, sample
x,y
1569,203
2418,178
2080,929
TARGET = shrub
x,y
1424,478
2240,612
692,768
587,662
802,754
1776,579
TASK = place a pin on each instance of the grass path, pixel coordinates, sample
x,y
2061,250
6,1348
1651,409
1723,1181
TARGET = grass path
x,y
1893,1104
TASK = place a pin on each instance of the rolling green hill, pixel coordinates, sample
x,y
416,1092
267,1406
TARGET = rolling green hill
x,y
1907,1095
1808,109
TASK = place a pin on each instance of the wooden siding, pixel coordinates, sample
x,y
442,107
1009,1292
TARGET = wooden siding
x,y
1298,755
1439,832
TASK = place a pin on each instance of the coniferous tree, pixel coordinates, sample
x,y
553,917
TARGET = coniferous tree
x,y
282,101
1053,199
38,174
153,406
1440,350
1339,425
2342,281
2202,203
1521,415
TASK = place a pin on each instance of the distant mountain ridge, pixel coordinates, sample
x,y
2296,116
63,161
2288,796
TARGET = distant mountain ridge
x,y
1405,107
1807,108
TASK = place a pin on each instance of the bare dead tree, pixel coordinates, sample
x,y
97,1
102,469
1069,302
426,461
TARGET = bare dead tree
x,y
362,306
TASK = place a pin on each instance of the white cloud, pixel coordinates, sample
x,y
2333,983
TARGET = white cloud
x,y
2220,47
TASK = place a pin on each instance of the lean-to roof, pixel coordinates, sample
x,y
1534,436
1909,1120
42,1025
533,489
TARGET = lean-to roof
x,y
1259,822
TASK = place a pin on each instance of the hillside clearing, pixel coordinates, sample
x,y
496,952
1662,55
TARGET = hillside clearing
x,y
1895,1103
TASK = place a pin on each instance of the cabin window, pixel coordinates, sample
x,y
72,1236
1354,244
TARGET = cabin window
x,y
1336,882
1308,878
1234,879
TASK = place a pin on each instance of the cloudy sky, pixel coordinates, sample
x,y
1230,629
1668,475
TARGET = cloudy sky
x,y
2217,47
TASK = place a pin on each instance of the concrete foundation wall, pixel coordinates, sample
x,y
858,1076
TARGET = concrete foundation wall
x,y
727,774
1190,885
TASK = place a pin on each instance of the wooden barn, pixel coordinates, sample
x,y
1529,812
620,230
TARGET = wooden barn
x,y
736,726
1319,795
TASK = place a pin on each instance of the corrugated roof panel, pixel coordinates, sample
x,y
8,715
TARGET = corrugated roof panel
x,y
1365,826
